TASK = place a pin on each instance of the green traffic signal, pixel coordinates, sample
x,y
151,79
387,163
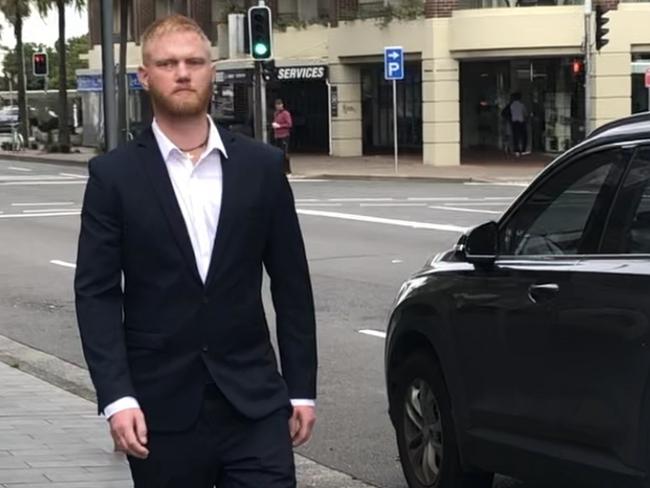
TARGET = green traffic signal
x,y
261,49
260,32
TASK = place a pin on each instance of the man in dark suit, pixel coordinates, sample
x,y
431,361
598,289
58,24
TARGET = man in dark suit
x,y
176,228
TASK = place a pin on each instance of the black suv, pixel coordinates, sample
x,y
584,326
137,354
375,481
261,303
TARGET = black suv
x,y
525,350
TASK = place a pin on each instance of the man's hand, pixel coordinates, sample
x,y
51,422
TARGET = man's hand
x,y
301,424
275,125
129,431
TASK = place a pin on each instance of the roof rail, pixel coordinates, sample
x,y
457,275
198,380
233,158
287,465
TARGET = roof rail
x,y
632,119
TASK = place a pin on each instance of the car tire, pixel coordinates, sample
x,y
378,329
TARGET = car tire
x,y
426,436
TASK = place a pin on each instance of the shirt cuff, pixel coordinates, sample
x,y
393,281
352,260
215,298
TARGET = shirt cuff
x,y
119,405
302,402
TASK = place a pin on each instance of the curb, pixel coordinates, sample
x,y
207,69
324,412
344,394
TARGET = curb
x,y
371,177
41,159
298,176
75,379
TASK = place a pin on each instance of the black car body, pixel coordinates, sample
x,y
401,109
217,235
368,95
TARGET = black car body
x,y
525,350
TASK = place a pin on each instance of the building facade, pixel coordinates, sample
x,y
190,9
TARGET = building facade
x,y
464,60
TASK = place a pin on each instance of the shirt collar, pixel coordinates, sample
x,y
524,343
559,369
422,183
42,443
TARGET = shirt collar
x,y
167,147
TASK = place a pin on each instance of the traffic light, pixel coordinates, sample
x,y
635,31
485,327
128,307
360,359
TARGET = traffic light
x,y
39,62
268,70
601,31
578,70
260,32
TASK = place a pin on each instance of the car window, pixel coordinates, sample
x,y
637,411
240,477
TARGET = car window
x,y
628,229
566,214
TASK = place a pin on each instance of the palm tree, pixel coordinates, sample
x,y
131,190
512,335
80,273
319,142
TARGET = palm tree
x,y
43,7
16,11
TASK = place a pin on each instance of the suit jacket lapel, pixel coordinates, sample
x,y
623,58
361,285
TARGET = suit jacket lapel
x,y
154,165
228,200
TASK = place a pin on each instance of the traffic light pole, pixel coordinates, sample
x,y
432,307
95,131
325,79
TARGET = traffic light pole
x,y
589,66
257,102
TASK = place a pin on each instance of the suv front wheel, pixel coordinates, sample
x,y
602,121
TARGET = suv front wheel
x,y
426,436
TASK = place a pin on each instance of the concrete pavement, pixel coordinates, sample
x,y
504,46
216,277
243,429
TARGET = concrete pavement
x,y
51,438
490,169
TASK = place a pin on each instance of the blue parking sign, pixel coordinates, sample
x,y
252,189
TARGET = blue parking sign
x,y
394,63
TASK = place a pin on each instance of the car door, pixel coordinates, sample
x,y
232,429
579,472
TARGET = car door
x,y
506,314
605,346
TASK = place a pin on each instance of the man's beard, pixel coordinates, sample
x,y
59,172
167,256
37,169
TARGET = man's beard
x,y
189,106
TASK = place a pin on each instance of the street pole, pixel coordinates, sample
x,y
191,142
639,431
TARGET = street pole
x,y
395,124
265,133
108,75
589,68
257,101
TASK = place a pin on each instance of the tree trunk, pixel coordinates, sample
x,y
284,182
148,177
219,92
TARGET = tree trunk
x,y
122,92
22,79
64,131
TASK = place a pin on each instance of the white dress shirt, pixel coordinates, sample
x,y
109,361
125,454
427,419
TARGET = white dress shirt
x,y
198,188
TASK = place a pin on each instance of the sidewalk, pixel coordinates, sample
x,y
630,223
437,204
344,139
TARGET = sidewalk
x,y
50,438
490,169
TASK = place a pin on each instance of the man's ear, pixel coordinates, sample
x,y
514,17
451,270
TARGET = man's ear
x,y
143,76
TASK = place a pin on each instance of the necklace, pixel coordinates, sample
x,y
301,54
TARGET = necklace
x,y
196,147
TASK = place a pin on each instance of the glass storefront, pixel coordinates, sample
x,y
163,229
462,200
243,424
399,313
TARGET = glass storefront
x,y
551,90
377,108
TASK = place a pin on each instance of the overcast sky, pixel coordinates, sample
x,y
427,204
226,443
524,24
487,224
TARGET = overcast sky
x,y
45,30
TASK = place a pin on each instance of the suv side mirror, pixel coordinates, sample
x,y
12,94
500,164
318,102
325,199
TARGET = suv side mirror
x,y
481,245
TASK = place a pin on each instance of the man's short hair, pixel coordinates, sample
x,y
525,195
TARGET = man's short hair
x,y
169,24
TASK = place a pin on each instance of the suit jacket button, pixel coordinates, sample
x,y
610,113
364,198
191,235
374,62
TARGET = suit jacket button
x,y
204,348
206,299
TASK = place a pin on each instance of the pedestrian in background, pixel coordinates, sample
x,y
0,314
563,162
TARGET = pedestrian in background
x,y
282,124
518,120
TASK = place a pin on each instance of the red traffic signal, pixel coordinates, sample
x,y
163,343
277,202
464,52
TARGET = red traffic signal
x,y
39,62
577,67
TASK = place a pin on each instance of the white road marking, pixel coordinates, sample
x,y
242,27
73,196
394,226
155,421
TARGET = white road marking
x,y
320,204
374,333
23,215
63,263
522,184
479,204
301,200
360,199
379,220
459,209
39,204
392,204
52,210
397,261
439,199
16,168
74,175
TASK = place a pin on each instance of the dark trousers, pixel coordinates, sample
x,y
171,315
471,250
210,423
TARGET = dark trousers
x,y
519,136
223,450
283,144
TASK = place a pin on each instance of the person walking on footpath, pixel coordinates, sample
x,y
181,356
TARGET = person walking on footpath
x,y
282,125
176,228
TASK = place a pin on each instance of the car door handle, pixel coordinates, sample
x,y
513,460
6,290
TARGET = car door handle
x,y
542,293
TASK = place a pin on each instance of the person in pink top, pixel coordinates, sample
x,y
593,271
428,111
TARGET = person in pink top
x,y
282,124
